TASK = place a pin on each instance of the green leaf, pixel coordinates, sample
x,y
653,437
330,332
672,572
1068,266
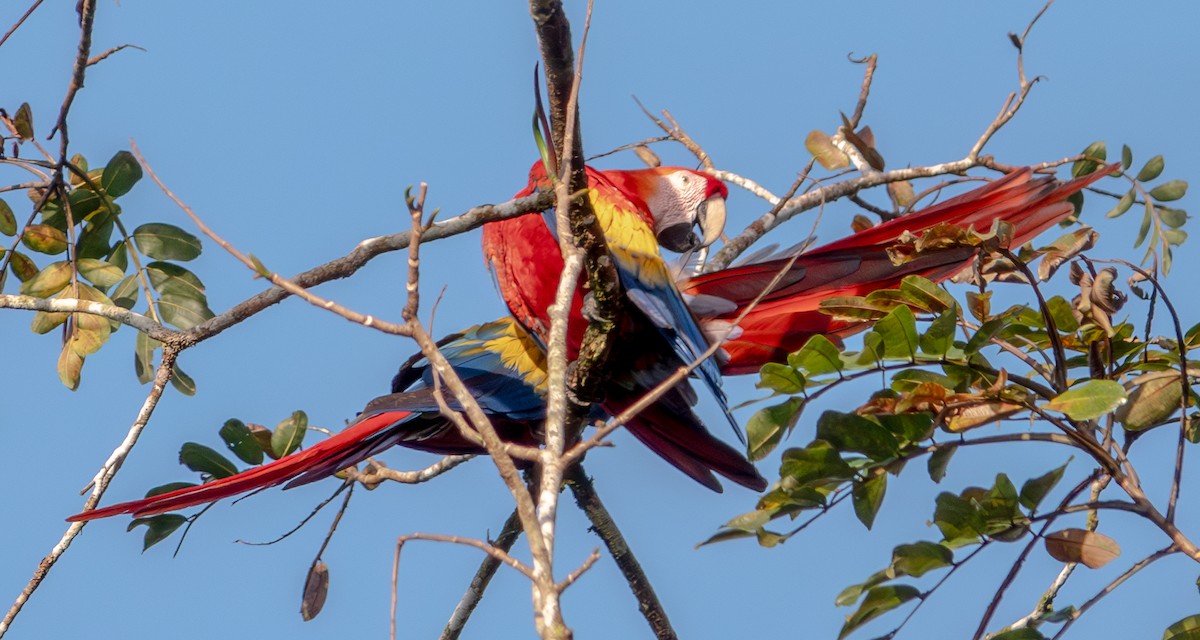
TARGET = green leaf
x,y
183,312
1035,489
923,293
143,357
86,203
1126,157
879,600
868,498
1024,633
1152,169
125,295
96,240
49,281
289,434
939,337
8,221
852,432
241,442
1096,150
1186,629
206,460
1174,237
818,464
166,242
1123,205
1147,219
1151,402
23,122
1089,400
182,382
959,521
1061,312
780,378
169,278
919,558
985,333
852,593
158,527
169,487
939,460
1173,218
766,428
899,332
99,272
818,356
1168,191
121,173
44,238
908,428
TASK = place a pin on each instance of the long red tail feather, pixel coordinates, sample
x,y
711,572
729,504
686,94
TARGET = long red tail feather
x,y
856,265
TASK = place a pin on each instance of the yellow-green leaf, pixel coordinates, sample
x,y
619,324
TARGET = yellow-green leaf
x,y
44,238
1089,400
23,121
8,221
49,281
70,366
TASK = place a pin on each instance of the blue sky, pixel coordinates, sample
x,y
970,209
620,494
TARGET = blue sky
x,y
293,130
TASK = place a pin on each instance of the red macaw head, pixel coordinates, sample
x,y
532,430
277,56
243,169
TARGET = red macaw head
x,y
688,206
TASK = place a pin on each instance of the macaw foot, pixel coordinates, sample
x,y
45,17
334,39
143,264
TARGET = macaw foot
x,y
589,310
579,392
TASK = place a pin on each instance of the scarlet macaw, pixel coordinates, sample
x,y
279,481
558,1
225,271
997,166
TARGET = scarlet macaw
x,y
658,334
502,365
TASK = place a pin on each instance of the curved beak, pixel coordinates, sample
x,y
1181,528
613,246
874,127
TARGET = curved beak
x,y
702,228
710,216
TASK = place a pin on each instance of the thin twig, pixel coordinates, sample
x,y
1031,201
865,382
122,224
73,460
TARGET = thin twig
x,y
99,484
605,527
1112,586
375,473
483,576
98,58
20,21
493,551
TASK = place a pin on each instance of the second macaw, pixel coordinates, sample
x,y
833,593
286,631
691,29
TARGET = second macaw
x,y
502,365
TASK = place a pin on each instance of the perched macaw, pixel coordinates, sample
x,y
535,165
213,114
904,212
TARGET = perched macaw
x,y
502,365
636,210
856,265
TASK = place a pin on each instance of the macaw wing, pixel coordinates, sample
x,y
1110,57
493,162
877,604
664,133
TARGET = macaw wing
x,y
649,282
500,363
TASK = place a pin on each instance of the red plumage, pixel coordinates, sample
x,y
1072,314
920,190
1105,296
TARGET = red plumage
x,y
856,265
